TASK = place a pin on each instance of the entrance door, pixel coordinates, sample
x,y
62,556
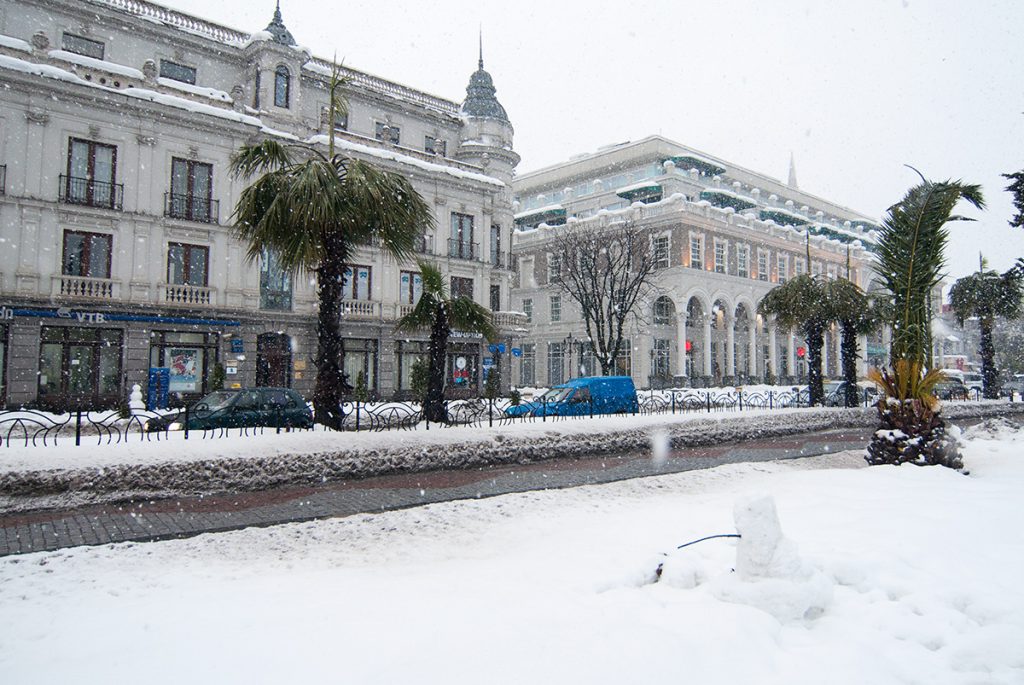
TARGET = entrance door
x,y
79,368
273,360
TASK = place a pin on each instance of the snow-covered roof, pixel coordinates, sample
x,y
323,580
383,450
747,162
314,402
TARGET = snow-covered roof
x,y
407,159
549,209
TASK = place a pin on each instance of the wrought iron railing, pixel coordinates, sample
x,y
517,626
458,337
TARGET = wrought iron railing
x,y
191,208
90,192
29,428
462,250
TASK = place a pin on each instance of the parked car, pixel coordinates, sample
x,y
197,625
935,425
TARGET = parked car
x,y
1014,386
250,407
951,389
581,396
835,394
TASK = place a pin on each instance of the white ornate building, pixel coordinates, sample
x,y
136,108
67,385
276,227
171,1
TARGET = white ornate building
x,y
723,237
117,123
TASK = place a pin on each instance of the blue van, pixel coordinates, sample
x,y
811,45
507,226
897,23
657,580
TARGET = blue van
x,y
581,397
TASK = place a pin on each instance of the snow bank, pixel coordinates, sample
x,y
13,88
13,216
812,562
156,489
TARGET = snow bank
x,y
172,466
543,587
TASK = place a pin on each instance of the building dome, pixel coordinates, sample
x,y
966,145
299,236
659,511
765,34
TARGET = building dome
x,y
278,30
480,100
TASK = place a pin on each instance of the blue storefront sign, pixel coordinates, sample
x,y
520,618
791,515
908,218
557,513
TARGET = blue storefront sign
x,y
517,352
158,387
237,347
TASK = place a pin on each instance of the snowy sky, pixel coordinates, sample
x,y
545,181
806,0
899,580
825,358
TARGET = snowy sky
x,y
854,90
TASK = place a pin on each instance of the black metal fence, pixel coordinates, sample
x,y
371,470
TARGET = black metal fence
x,y
40,429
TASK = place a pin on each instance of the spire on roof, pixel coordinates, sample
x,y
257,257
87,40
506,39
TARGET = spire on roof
x,y
792,172
480,99
277,29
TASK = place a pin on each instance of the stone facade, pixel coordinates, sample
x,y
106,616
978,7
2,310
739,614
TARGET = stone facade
x,y
117,125
724,236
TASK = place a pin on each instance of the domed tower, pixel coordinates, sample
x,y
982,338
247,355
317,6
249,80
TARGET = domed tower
x,y
486,138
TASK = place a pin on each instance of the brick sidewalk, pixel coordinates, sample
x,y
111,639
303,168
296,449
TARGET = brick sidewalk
x,y
184,517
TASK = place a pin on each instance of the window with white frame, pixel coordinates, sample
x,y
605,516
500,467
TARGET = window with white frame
x,y
720,256
696,251
743,261
661,252
660,360
832,270
663,310
762,265
556,308
782,267
554,267
815,268
528,309
528,367
799,266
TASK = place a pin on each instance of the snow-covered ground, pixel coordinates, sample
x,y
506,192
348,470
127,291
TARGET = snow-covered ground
x,y
915,573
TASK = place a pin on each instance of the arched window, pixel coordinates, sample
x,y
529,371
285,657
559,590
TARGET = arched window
x,y
664,310
282,86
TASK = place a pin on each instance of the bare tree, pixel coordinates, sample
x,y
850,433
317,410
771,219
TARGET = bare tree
x,y
607,271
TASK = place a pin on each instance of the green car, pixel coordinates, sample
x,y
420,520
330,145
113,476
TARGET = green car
x,y
274,407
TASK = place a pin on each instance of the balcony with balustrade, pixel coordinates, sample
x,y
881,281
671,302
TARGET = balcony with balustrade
x,y
191,208
360,310
89,192
64,287
190,296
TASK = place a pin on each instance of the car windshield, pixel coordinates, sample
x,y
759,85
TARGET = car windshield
x,y
215,400
556,395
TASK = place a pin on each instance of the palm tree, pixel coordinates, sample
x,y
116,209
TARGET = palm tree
x,y
312,210
986,295
438,311
910,259
911,247
801,303
857,314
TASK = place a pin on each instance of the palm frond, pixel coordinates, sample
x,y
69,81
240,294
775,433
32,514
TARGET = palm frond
x,y
263,157
911,250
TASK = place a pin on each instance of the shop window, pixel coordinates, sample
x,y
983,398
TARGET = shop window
x,y
188,356
360,356
463,367
408,353
79,368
